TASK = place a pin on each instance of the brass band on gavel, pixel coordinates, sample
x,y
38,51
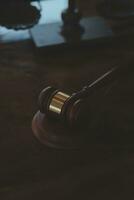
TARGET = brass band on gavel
x,y
57,102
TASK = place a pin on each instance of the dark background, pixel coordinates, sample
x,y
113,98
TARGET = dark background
x,y
29,170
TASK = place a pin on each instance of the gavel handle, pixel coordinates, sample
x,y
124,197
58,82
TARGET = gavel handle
x,y
72,107
113,74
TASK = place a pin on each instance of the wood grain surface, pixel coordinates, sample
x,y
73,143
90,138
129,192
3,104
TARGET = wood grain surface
x,y
29,170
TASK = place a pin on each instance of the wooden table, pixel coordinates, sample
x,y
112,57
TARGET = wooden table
x,y
29,170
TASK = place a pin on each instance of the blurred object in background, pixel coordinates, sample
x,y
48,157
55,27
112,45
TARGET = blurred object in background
x,y
18,14
73,29
120,15
32,12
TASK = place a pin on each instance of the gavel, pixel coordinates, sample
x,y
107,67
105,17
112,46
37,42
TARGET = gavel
x,y
64,109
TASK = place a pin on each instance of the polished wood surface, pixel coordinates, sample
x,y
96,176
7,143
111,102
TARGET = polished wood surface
x,y
29,170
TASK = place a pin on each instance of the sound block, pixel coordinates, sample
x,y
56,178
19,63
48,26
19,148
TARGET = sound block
x,y
55,134
49,35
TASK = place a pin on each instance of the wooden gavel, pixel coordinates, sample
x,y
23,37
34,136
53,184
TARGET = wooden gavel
x,y
58,123
59,105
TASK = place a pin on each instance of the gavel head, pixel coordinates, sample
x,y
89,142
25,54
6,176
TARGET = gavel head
x,y
62,119
59,105
55,124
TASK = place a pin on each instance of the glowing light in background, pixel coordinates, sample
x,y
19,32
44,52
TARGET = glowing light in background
x,y
51,10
